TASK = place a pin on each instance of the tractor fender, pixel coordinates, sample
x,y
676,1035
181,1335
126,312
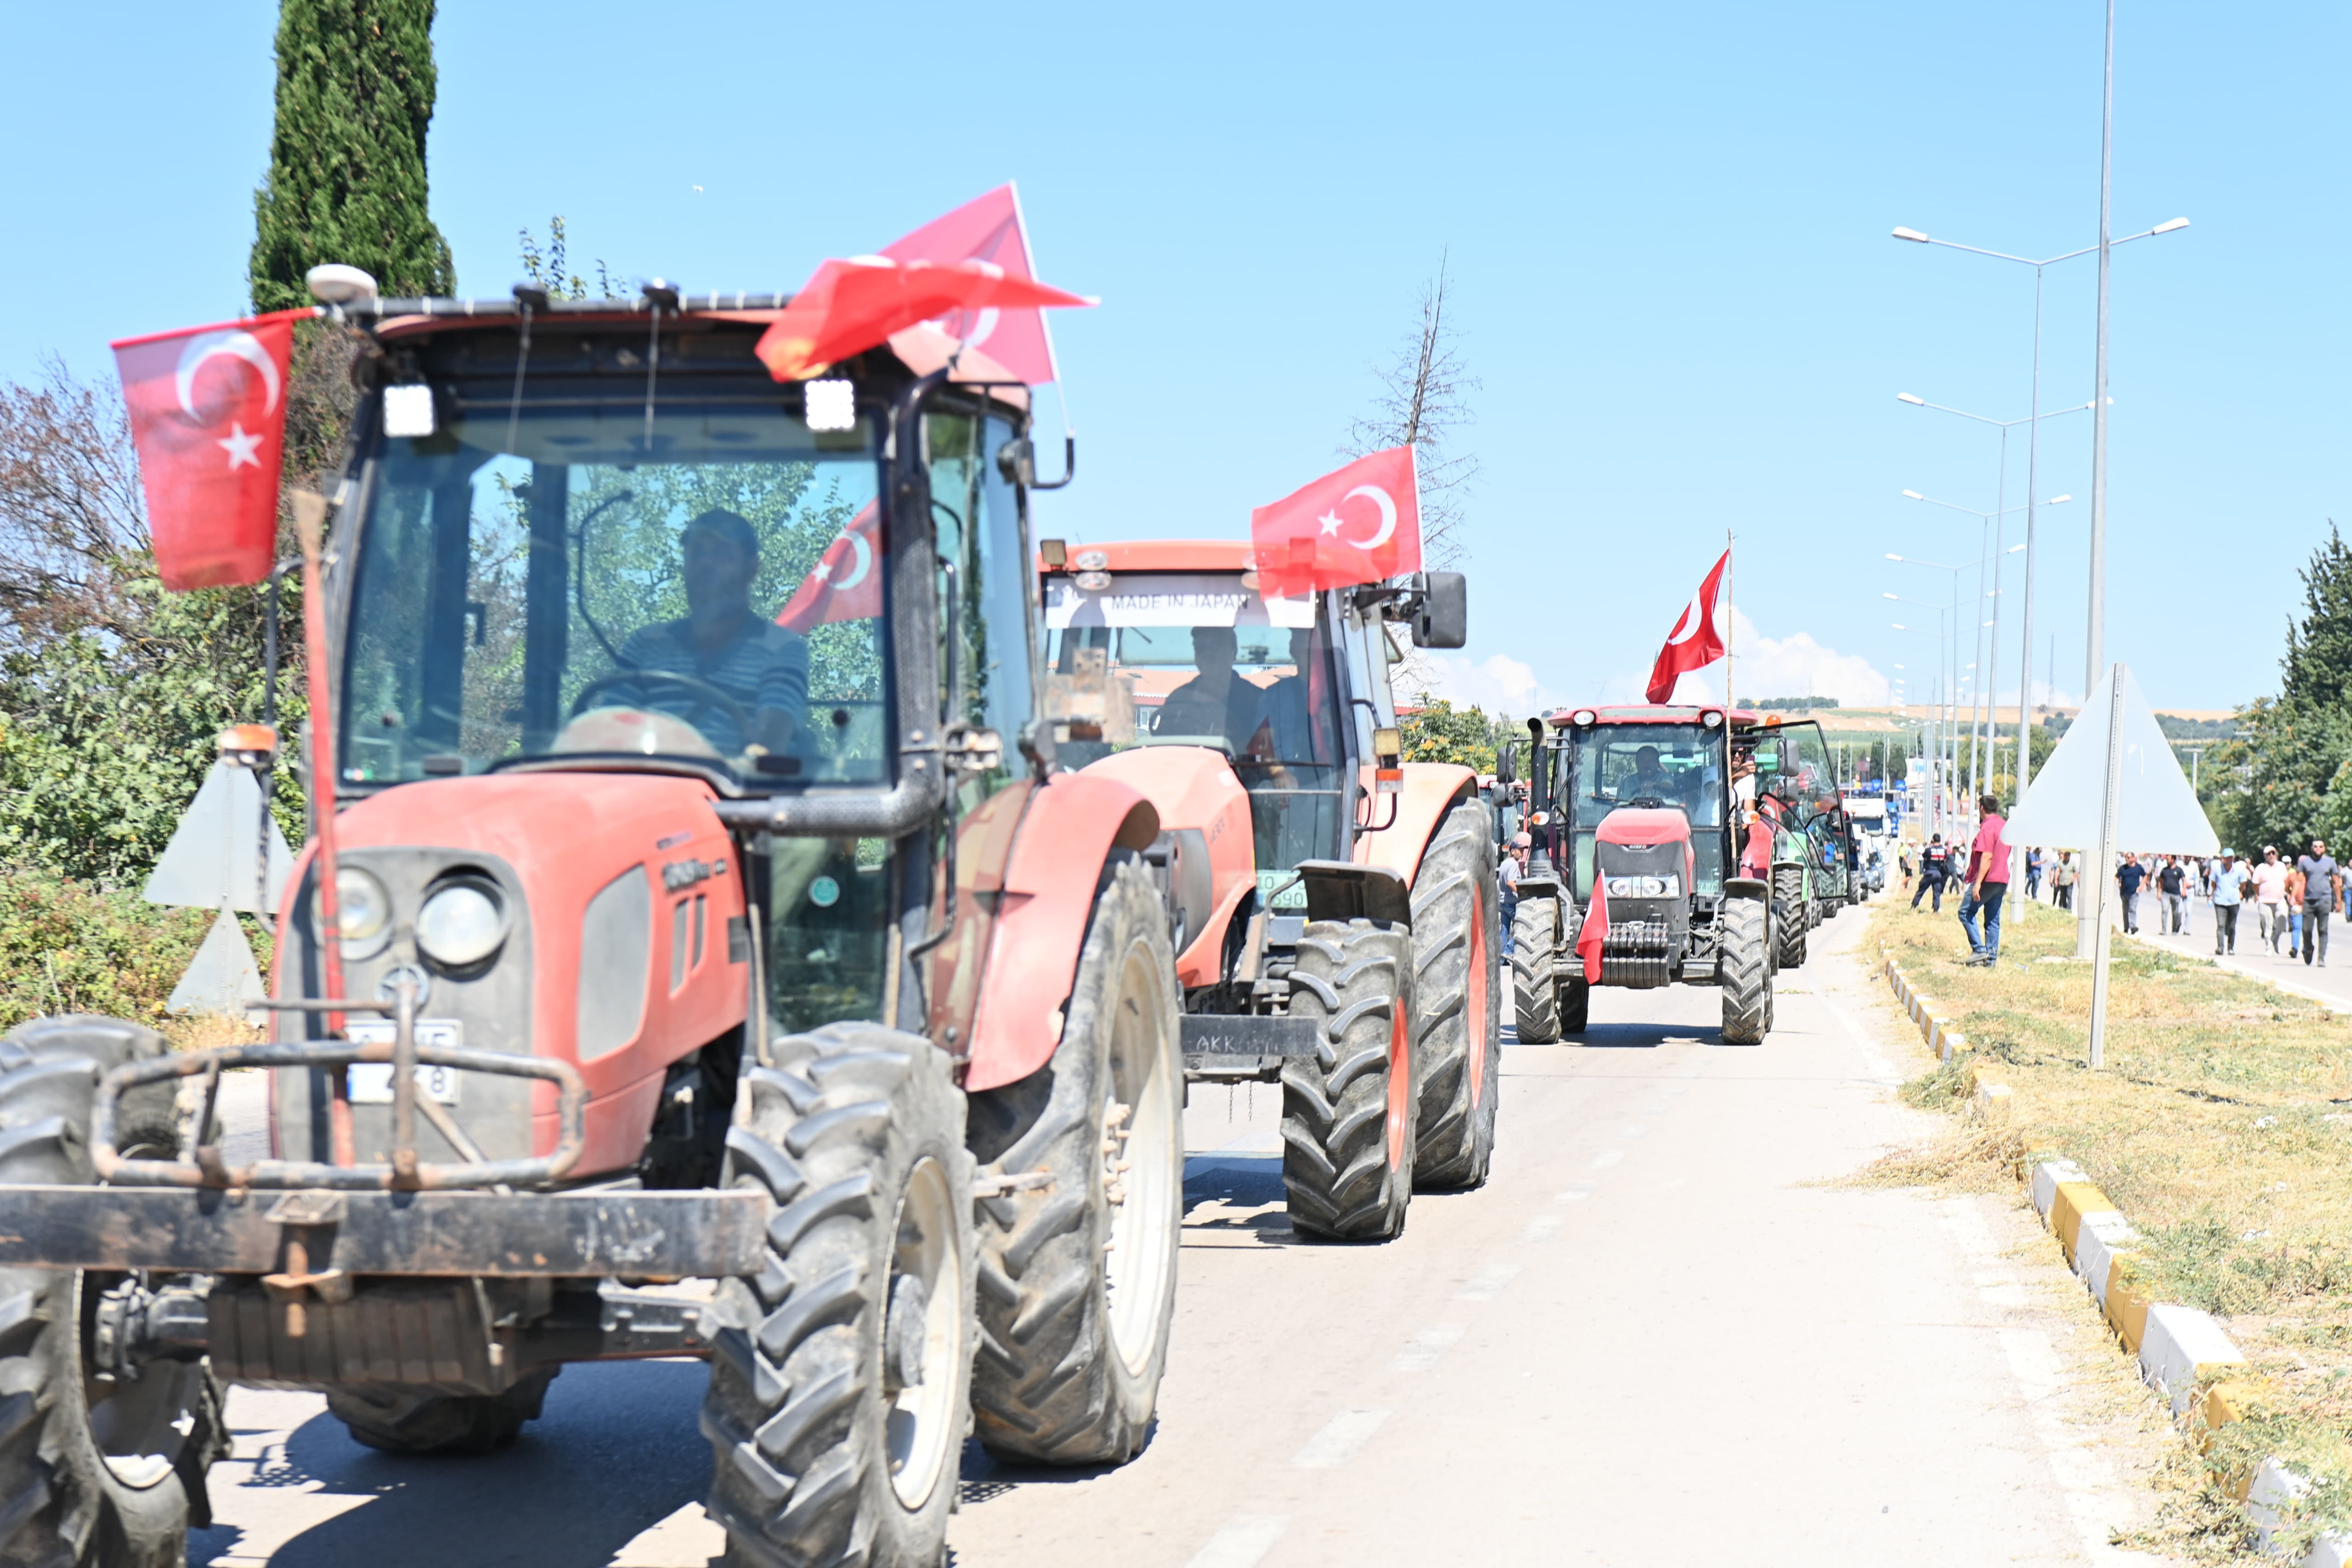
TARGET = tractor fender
x,y
1073,823
1194,787
1430,790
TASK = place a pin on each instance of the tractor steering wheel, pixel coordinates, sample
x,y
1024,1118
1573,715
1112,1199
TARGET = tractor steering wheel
x,y
705,695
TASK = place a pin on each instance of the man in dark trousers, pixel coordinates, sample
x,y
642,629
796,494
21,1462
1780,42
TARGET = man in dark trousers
x,y
2128,877
1988,883
2319,875
1935,862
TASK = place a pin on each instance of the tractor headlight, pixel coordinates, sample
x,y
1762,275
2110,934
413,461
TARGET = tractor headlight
x,y
361,906
461,923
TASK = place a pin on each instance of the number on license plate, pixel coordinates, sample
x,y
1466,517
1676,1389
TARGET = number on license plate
x,y
371,1082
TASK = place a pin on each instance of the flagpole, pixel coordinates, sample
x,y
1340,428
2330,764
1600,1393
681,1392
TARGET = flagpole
x,y
1729,571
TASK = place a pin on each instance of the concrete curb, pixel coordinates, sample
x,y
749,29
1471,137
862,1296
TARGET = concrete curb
x,y
2184,1355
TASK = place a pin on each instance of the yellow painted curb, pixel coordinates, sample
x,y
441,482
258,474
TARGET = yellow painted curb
x,y
2127,1302
2075,1200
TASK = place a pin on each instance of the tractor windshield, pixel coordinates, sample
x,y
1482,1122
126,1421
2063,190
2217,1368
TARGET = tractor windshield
x,y
567,581
1170,659
1610,765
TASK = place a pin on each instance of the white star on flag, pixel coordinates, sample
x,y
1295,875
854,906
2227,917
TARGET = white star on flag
x,y
1331,523
239,446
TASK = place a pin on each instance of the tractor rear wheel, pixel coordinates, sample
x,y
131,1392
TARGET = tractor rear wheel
x,y
107,1472
1792,916
417,1421
1575,1005
1077,1279
839,1373
1534,998
1458,1028
1742,974
1347,1111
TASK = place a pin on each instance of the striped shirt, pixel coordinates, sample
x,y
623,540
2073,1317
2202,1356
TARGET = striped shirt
x,y
761,665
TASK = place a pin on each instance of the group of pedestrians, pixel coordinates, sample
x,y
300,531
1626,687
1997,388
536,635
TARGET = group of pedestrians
x,y
2294,901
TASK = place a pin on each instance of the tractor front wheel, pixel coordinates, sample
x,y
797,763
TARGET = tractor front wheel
x,y
1742,974
1347,1111
839,1373
1535,995
1458,1028
1792,916
1077,1278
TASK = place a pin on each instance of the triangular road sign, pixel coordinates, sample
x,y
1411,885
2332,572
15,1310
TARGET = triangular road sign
x,y
2157,812
222,978
214,857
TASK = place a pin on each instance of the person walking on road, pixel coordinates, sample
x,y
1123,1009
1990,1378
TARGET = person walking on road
x,y
2173,886
2269,896
2229,892
2128,877
1507,871
2062,881
1988,883
1902,864
1934,861
2320,891
2033,873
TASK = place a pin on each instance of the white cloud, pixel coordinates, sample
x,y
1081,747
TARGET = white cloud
x,y
1794,665
1498,683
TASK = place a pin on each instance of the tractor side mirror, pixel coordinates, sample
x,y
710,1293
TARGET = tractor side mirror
x,y
1443,618
1507,762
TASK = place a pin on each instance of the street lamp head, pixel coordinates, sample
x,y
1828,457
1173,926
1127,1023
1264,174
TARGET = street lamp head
x,y
1890,596
1914,495
1898,625
2165,228
2015,549
2058,500
1892,556
1916,237
1914,399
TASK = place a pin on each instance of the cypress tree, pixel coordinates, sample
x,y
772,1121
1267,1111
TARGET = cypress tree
x,y
346,181
2317,669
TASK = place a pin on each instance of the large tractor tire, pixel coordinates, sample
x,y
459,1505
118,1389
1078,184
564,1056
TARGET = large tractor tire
x,y
1575,1002
1793,916
839,1373
1347,1111
1535,996
417,1421
1458,1026
1077,1278
105,1473
1742,974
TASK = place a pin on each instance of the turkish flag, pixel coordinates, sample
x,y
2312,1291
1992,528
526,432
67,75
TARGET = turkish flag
x,y
1594,931
1361,524
1693,643
207,408
846,585
988,228
848,307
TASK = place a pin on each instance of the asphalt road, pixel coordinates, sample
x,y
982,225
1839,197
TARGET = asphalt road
x,y
1666,1331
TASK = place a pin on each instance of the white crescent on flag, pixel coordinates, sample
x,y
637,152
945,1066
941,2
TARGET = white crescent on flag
x,y
1388,517
238,344
1688,627
864,562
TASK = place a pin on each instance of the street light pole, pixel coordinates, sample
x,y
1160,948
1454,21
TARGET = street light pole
x,y
2096,626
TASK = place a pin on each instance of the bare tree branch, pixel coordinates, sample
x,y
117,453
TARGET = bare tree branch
x,y
1422,402
71,514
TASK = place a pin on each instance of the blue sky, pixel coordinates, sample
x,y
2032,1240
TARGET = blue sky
x,y
1667,225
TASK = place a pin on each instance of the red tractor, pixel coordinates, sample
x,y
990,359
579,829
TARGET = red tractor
x,y
1337,906
700,952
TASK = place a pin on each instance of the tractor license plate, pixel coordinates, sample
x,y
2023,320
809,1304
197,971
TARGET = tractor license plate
x,y
371,1082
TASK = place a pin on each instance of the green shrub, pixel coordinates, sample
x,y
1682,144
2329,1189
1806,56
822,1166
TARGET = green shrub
x,y
70,947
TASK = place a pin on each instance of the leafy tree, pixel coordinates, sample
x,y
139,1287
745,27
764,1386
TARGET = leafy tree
x,y
1441,733
2318,665
543,265
346,180
2289,776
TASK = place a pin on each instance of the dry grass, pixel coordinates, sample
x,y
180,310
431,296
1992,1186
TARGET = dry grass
x,y
2222,1124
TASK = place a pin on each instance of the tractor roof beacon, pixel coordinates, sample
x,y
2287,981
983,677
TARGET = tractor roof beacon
x,y
728,969
1336,904
1698,833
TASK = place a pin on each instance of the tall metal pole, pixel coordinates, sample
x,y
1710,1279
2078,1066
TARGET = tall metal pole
x,y
2111,800
2032,478
2095,657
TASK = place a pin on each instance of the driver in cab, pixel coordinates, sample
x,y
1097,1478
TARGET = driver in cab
x,y
1217,703
1648,781
722,646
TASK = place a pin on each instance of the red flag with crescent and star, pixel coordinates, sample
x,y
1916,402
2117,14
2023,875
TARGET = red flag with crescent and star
x,y
1594,931
207,408
848,307
1361,524
845,583
1693,643
988,228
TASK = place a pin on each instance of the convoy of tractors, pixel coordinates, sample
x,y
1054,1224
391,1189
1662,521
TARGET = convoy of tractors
x,y
816,994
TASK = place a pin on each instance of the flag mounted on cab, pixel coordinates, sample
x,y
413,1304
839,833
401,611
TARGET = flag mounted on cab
x,y
207,408
848,307
1693,643
988,229
1361,524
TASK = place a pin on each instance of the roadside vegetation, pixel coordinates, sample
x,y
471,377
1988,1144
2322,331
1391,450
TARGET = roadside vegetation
x,y
2220,1125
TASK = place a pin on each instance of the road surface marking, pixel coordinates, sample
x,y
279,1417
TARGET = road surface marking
x,y
1340,1438
1242,1543
1488,1282
1541,1227
1427,1348
1606,1158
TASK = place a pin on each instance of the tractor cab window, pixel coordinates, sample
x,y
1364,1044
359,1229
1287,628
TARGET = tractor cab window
x,y
557,581
1792,767
1677,765
986,651
1170,658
